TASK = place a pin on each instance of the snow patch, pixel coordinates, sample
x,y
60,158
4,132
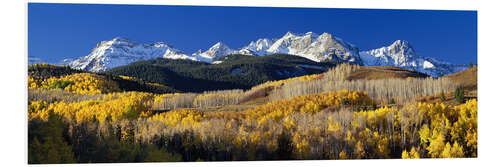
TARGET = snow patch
x,y
217,62
428,64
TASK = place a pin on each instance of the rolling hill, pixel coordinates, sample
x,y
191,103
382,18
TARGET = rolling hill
x,y
466,78
384,72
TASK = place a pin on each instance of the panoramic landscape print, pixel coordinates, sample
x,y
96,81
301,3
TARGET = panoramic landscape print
x,y
144,83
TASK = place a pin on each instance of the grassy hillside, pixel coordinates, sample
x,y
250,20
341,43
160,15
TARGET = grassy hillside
x,y
384,72
467,78
235,71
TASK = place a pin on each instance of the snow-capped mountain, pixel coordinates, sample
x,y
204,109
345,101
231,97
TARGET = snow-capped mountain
x,y
309,45
258,47
121,51
324,47
402,54
212,54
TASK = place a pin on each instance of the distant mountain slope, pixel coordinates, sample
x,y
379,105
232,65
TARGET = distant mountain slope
x,y
324,47
232,71
121,51
466,78
213,53
402,54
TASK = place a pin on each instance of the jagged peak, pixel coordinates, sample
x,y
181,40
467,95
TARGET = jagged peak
x,y
399,43
219,45
291,34
310,33
197,52
162,44
404,46
122,40
325,34
117,41
263,40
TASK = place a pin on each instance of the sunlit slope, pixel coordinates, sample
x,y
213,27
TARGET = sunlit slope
x,y
466,78
47,76
384,72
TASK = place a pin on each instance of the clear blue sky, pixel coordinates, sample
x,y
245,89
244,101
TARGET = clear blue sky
x,y
57,31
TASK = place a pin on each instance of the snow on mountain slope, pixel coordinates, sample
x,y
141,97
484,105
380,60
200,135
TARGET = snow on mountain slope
x,y
402,54
315,47
258,47
212,54
121,51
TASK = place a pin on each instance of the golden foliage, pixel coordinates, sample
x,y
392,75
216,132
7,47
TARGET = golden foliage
x,y
413,154
448,124
281,82
427,130
112,107
82,83
364,134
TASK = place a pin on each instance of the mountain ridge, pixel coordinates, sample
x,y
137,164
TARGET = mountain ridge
x,y
323,47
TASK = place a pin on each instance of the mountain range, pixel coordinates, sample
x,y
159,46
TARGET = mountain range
x,y
324,47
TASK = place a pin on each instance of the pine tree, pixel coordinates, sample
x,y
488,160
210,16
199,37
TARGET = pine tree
x,y
49,146
284,146
459,94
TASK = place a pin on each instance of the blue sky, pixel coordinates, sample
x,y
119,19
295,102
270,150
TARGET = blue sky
x,y
57,31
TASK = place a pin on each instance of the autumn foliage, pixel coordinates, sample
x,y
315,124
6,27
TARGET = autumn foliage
x,y
93,121
83,83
